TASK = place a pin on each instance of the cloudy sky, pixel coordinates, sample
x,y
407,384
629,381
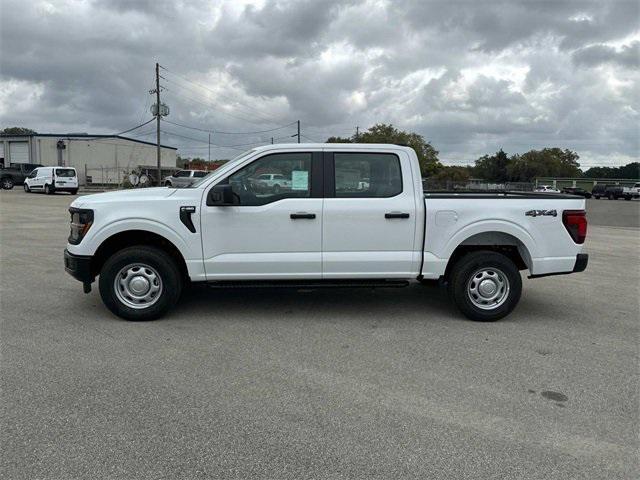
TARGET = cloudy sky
x,y
471,76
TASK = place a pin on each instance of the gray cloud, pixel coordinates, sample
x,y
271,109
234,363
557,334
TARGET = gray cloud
x,y
627,56
471,77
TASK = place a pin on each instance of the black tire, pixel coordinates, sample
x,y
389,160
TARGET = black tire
x,y
7,183
48,190
167,184
467,268
597,197
161,262
276,189
74,192
627,198
26,187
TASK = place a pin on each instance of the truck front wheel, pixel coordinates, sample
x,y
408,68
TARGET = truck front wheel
x,y
485,285
140,283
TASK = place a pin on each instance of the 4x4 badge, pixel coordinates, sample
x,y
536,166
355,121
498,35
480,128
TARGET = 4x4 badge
x,y
538,213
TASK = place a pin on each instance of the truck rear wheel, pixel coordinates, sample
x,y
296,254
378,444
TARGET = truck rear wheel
x,y
485,285
140,283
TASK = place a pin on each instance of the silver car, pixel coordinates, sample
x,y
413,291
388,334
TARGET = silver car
x,y
184,178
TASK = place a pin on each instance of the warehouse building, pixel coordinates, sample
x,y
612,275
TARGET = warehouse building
x,y
99,159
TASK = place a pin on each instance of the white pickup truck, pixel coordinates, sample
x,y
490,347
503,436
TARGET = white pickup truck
x,y
327,229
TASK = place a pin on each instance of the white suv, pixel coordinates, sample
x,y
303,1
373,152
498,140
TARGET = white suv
x,y
52,179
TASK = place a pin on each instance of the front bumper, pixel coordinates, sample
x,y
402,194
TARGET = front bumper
x,y
79,267
582,259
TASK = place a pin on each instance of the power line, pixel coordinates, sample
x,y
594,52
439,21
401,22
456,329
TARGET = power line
x,y
243,111
228,133
211,105
250,107
215,144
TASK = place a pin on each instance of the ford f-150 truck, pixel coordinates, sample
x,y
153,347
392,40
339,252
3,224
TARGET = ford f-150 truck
x,y
353,215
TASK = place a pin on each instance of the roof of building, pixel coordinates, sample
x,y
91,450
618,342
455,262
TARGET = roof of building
x,y
82,136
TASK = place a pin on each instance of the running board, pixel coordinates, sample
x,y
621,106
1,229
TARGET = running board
x,y
308,284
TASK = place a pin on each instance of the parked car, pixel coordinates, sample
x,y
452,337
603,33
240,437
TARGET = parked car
x,y
577,191
546,189
271,182
146,244
15,174
184,178
631,192
52,179
599,190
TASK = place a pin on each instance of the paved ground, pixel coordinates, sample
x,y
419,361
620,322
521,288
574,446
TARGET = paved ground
x,y
321,384
616,213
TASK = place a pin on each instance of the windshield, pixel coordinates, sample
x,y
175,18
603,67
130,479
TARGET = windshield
x,y
202,180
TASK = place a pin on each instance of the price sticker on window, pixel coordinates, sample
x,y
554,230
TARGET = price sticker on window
x,y
299,180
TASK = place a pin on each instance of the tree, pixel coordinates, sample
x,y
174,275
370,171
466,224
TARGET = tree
x,y
548,162
630,170
17,131
387,133
453,174
492,168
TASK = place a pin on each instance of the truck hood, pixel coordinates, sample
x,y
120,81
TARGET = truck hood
x,y
138,194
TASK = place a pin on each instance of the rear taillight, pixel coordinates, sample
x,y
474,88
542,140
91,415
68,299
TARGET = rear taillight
x,y
575,221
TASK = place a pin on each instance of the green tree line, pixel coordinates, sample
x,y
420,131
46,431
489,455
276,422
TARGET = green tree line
x,y
499,167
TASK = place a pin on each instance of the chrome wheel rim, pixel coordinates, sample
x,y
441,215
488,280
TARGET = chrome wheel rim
x,y
138,286
6,184
488,288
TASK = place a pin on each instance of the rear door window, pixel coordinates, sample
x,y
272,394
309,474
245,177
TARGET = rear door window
x,y
65,172
367,175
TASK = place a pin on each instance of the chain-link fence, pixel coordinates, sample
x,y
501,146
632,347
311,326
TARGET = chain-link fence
x,y
431,185
121,177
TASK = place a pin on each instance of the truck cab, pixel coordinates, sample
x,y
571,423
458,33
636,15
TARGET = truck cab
x,y
350,215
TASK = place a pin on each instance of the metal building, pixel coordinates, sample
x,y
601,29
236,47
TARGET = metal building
x,y
104,159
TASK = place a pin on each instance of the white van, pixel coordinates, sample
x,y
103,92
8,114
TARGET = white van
x,y
52,179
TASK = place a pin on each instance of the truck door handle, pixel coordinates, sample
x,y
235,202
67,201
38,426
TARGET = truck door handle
x,y
296,216
396,215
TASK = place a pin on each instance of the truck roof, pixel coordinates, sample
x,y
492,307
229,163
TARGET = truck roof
x,y
341,146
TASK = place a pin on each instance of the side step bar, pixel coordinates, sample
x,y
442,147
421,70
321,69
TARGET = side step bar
x,y
308,284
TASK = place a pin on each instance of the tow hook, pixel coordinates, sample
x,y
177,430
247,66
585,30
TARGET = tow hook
x,y
86,287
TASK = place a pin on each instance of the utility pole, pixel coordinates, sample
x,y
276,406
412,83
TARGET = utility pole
x,y
158,122
357,133
271,140
298,131
209,147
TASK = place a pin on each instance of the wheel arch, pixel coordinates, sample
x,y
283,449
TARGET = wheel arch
x,y
511,245
130,238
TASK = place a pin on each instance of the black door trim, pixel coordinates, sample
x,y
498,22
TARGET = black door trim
x,y
329,175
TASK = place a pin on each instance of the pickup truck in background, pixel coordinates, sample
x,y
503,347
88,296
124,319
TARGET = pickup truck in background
x,y
15,174
328,229
614,192
631,192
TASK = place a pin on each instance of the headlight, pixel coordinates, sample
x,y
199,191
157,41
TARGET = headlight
x,y
81,221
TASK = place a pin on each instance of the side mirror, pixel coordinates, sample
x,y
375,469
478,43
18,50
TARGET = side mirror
x,y
220,195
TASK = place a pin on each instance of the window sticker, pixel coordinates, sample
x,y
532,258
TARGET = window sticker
x,y
299,180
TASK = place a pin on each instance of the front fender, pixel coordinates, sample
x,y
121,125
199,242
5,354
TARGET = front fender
x,y
95,238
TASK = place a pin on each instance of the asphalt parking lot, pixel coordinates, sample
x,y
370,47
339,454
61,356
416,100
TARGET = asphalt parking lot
x,y
317,384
